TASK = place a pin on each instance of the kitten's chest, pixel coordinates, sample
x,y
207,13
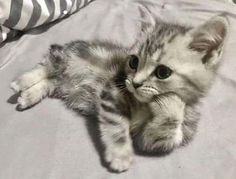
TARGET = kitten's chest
x,y
140,115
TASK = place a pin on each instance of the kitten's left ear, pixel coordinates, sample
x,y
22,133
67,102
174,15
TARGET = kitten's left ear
x,y
209,38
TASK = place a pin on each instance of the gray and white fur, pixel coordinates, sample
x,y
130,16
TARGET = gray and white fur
x,y
148,100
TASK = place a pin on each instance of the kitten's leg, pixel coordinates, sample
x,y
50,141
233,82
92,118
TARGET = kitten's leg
x,y
115,136
36,93
54,63
164,132
116,139
29,78
41,81
114,127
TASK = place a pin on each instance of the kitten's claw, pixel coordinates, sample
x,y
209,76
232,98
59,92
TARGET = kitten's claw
x,y
120,160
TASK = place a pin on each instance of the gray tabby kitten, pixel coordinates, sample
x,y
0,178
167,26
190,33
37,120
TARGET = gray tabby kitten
x,y
147,99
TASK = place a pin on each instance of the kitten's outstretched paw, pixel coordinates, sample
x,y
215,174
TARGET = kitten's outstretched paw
x,y
33,95
29,79
120,159
121,164
25,99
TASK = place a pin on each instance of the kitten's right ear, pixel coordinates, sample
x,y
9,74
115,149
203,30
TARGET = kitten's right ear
x,y
210,37
147,24
148,21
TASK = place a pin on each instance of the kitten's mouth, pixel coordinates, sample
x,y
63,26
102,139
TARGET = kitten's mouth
x,y
143,94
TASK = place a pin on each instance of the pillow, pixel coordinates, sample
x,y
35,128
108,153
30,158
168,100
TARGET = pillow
x,y
21,15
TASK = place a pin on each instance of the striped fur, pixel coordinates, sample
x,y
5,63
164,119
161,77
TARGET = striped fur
x,y
158,115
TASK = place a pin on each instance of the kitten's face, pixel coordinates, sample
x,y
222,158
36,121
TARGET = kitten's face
x,y
179,60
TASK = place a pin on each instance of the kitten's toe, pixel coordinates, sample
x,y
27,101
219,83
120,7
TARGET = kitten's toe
x,y
23,103
15,86
20,85
27,99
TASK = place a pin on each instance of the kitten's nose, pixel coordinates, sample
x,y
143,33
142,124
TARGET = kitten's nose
x,y
136,85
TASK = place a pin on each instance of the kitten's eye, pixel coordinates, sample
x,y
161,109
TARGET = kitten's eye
x,y
163,72
133,62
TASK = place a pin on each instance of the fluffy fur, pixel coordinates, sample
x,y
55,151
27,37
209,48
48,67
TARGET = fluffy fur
x,y
133,102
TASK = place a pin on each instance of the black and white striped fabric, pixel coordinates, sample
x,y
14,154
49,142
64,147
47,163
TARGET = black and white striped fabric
x,y
25,14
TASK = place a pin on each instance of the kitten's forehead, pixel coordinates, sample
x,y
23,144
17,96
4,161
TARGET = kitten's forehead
x,y
167,45
159,40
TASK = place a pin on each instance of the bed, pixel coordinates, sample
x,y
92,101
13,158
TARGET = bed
x,y
49,141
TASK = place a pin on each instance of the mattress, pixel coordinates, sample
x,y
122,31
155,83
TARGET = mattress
x,y
49,141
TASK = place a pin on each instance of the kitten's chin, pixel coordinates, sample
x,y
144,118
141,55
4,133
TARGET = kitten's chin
x,y
143,99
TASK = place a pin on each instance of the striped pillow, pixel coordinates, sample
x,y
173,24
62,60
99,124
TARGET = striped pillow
x,y
21,15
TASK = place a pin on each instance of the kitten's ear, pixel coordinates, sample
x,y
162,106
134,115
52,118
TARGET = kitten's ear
x,y
209,38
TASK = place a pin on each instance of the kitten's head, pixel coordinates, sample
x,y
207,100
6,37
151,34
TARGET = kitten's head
x,y
177,59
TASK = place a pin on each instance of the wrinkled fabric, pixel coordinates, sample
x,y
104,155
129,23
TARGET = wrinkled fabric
x,y
49,141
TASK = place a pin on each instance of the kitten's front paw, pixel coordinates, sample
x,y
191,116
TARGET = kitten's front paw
x,y
120,159
169,105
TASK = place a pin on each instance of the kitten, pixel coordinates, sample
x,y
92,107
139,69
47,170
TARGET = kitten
x,y
147,99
